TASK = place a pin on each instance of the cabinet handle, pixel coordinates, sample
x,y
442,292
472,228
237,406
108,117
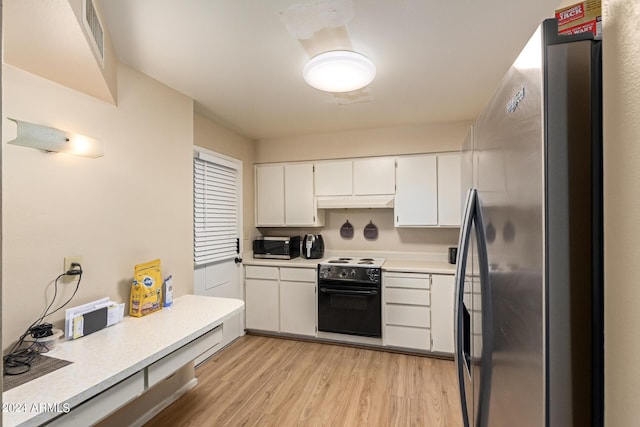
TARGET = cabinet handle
x,y
348,292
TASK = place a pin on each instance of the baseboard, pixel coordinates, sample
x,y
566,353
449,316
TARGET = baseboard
x,y
162,405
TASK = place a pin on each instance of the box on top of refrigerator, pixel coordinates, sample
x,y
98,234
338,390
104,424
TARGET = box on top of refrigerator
x,y
581,17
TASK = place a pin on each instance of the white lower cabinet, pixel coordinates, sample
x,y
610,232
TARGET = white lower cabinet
x,y
418,311
407,310
298,308
281,299
417,307
442,300
262,304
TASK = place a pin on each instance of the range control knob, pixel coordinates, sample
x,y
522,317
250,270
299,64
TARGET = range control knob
x,y
343,273
353,272
373,274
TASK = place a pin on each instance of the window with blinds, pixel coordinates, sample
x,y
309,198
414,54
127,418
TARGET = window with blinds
x,y
215,212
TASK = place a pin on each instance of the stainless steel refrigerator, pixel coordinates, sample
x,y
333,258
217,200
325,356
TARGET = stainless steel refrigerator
x,y
529,281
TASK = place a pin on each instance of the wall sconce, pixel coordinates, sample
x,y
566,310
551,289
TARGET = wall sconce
x,y
56,140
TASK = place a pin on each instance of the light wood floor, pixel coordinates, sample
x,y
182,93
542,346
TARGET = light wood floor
x,y
263,381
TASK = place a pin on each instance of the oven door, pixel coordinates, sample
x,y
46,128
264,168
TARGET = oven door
x,y
347,308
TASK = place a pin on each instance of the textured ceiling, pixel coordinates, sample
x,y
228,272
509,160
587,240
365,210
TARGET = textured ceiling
x,y
241,60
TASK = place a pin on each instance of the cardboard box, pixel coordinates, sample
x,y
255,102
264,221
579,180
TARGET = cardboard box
x,y
594,26
580,17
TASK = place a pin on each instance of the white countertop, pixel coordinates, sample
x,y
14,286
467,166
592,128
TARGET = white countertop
x,y
106,357
393,262
418,266
296,262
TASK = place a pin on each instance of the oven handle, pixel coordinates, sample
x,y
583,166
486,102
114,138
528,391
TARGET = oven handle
x,y
348,292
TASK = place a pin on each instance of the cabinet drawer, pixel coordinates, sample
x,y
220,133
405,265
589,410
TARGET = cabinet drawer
x,y
402,336
407,296
408,280
407,315
257,272
98,407
166,366
298,274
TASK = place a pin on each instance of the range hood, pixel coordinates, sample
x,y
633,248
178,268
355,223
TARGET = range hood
x,y
355,202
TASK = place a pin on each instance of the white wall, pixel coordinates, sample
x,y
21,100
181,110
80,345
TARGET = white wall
x,y
621,56
130,206
423,138
211,135
414,242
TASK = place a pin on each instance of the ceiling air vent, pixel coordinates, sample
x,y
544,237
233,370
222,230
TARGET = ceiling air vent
x,y
92,22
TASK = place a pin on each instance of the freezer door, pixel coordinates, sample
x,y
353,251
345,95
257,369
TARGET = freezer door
x,y
508,143
472,318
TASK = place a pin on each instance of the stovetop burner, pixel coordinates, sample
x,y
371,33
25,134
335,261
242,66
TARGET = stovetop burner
x,y
362,262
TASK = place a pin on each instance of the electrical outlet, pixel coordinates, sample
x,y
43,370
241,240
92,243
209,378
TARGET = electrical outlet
x,y
68,260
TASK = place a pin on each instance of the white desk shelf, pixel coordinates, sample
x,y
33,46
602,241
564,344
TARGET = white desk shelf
x,y
121,352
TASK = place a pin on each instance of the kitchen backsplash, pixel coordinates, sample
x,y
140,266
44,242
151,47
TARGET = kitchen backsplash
x,y
390,238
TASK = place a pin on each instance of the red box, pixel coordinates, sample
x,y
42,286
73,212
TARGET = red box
x,y
593,26
580,17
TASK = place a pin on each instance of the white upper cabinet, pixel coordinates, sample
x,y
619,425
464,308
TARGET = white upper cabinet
x,y
449,201
357,177
374,176
428,191
424,190
284,196
269,195
416,201
334,178
299,201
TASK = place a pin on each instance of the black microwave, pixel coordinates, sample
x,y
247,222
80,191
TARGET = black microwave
x,y
276,247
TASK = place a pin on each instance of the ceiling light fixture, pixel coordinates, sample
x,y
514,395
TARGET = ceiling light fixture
x,y
339,71
56,140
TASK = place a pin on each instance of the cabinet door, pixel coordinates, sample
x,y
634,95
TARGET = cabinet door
x,y
298,194
334,178
449,202
298,308
374,176
269,195
442,296
416,202
262,304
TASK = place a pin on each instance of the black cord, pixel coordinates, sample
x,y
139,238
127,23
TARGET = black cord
x,y
19,359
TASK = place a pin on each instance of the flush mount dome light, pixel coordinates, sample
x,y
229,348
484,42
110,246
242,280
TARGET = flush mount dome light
x,y
339,71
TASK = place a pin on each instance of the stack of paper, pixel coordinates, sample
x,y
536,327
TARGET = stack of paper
x,y
91,317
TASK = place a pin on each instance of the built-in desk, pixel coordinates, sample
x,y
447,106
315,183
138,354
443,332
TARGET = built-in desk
x,y
115,365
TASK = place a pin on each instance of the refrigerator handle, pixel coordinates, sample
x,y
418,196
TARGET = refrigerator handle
x,y
461,265
482,415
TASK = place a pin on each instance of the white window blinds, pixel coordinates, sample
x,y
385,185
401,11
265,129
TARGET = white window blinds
x,y
215,212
